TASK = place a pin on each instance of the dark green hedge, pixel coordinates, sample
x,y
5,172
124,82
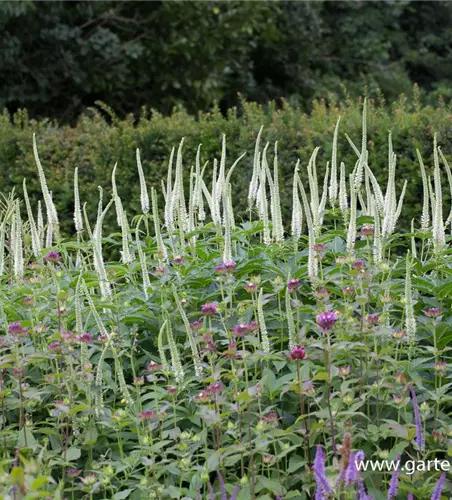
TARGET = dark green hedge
x,y
99,140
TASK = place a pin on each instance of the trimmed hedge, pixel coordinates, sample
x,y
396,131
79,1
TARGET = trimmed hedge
x,y
100,139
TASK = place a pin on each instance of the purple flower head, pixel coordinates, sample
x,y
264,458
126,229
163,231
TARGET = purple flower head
x,y
367,231
210,347
326,320
214,388
293,284
270,418
52,257
297,353
220,269
209,308
229,266
147,414
178,260
17,329
251,287
432,312
373,319
196,325
244,328
323,486
394,483
225,267
439,487
85,338
398,334
358,265
171,391
154,367
417,420
74,472
319,247
159,271
348,291
28,300
54,346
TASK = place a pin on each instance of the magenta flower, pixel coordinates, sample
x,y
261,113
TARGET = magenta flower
x,y
209,308
225,267
52,257
319,247
74,472
398,334
85,338
348,291
28,300
270,418
171,390
244,328
54,346
367,231
178,260
358,265
220,269
210,347
344,371
214,388
297,353
159,271
147,414
196,325
154,367
230,266
17,329
433,312
251,287
326,320
293,284
373,319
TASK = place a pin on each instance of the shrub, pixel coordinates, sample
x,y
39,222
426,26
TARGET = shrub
x,y
98,142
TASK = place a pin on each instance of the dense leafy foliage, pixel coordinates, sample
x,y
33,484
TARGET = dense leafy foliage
x,y
225,356
97,142
57,58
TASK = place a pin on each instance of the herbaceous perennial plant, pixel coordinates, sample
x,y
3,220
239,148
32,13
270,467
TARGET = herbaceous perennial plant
x,y
225,358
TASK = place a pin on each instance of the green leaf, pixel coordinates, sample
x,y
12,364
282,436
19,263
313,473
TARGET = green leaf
x,y
73,454
121,495
271,485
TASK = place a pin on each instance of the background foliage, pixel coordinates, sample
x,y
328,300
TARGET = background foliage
x,y
99,139
57,58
